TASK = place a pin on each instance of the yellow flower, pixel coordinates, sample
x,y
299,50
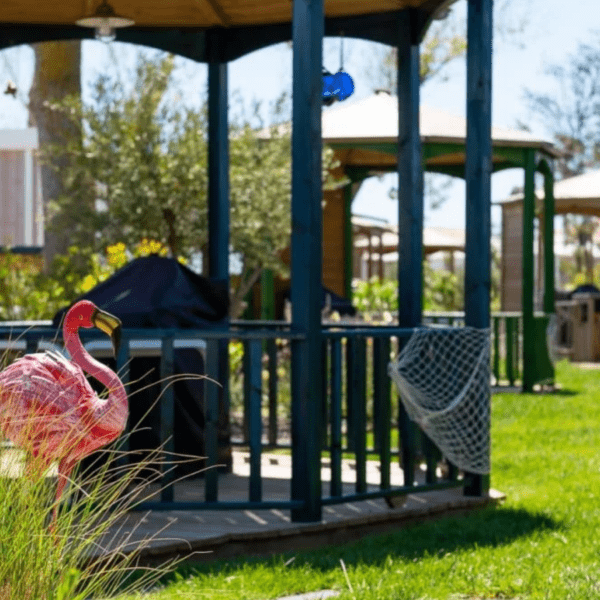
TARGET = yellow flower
x,y
115,254
147,247
89,281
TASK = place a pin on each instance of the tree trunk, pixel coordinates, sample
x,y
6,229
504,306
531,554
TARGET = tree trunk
x,y
57,74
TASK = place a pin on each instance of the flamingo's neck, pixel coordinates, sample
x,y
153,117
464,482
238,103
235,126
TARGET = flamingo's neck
x,y
114,408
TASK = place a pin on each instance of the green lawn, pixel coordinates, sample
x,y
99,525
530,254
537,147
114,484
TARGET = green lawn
x,y
544,542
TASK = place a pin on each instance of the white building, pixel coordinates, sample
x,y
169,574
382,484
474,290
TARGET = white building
x,y
21,208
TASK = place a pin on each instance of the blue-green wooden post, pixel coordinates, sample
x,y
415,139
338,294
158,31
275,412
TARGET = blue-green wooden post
x,y
122,360
348,242
410,175
254,420
167,418
336,418
528,274
218,220
478,169
410,207
212,391
218,173
306,259
272,362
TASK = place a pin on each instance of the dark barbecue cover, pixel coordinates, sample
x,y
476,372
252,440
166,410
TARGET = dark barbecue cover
x,y
338,304
160,292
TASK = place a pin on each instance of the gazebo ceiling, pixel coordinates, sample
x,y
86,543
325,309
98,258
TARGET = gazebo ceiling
x,y
199,13
211,30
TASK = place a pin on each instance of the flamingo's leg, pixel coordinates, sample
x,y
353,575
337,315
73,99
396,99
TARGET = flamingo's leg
x,y
65,468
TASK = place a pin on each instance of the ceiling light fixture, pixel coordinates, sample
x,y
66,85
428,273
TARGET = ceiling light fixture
x,y
104,20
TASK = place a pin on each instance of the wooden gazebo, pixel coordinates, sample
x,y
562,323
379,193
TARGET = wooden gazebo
x,y
219,31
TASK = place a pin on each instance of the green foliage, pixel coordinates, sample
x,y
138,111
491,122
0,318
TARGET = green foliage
x,y
141,173
26,293
374,296
442,290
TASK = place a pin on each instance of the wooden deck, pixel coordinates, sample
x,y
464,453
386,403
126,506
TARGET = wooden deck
x,y
217,534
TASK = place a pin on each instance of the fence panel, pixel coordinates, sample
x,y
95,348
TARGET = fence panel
x,y
366,426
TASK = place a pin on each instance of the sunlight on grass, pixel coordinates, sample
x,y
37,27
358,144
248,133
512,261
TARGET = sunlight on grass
x,y
542,543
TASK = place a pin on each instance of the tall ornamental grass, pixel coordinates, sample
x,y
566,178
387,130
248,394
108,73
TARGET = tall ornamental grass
x,y
86,551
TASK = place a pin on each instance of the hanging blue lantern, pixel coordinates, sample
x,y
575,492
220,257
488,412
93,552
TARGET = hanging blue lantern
x,y
329,88
339,86
336,87
343,84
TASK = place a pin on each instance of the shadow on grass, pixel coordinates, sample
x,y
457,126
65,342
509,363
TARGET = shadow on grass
x,y
487,528
499,391
562,392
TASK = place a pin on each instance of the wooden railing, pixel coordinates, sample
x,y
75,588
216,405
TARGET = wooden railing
x,y
363,425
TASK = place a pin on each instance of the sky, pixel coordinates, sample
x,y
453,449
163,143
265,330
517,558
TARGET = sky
x,y
551,33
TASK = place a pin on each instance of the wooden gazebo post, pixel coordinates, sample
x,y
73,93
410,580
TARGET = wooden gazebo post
x,y
478,170
217,398
410,205
306,260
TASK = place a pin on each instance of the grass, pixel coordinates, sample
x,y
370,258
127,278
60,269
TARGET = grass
x,y
541,543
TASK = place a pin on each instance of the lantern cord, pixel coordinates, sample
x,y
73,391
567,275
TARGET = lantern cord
x,y
342,51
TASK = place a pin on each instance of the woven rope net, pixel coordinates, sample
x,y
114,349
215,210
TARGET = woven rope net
x,y
443,378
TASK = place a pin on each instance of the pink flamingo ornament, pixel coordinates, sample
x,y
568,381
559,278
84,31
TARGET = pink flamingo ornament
x,y
47,406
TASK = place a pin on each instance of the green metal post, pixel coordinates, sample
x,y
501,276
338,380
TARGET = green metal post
x,y
267,295
528,274
509,329
496,321
307,256
545,169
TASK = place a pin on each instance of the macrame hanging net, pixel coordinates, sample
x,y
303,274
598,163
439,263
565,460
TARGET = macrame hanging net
x,y
443,378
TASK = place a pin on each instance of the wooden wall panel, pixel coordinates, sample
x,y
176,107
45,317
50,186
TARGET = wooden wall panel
x,y
21,220
512,257
333,241
11,198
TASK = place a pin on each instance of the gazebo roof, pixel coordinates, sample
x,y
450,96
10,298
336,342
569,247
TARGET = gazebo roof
x,y
375,119
579,195
434,238
364,133
197,13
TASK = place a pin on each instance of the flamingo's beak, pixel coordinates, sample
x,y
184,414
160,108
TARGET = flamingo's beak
x,y
111,325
